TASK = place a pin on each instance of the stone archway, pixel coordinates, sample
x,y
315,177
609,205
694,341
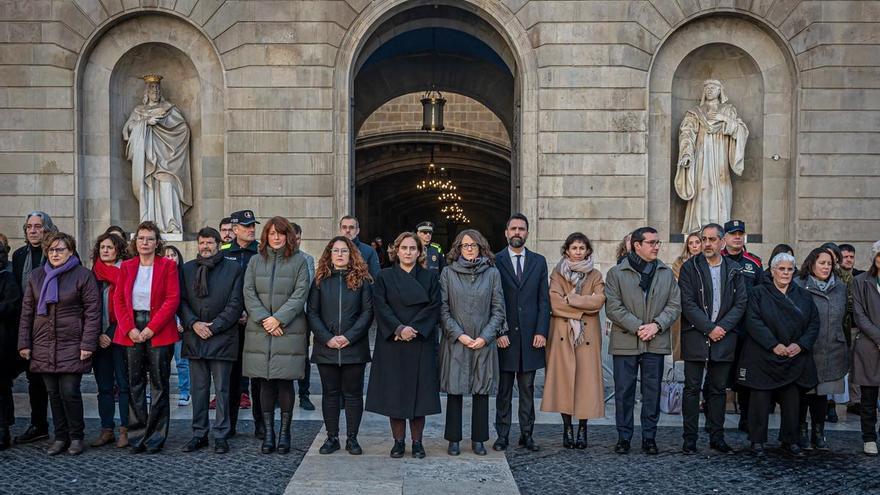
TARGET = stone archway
x,y
761,58
504,27
107,88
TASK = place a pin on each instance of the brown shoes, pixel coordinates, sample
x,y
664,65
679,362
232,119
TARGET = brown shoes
x,y
104,438
122,441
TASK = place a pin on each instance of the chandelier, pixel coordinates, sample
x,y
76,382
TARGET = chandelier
x,y
432,111
455,213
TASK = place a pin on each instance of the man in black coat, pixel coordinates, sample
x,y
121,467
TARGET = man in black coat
x,y
521,352
10,364
37,225
713,302
210,306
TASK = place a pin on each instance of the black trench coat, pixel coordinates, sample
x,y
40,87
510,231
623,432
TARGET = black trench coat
x,y
404,382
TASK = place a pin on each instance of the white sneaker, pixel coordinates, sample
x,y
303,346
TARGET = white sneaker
x,y
871,448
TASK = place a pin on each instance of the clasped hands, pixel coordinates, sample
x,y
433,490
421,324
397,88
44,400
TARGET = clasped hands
x,y
273,327
790,350
140,336
717,334
338,342
648,331
406,334
472,344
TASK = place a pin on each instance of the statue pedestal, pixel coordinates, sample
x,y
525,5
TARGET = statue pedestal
x,y
173,237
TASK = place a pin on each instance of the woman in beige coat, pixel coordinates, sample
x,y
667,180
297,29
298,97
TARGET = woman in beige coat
x,y
573,383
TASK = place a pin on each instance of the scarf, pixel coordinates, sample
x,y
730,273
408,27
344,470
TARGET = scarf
x,y
576,274
109,274
646,270
826,285
29,265
49,290
204,266
471,265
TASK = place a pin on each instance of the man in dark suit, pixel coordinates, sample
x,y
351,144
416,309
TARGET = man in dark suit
x,y
521,351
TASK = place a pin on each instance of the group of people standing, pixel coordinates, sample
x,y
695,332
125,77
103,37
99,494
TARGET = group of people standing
x,y
473,323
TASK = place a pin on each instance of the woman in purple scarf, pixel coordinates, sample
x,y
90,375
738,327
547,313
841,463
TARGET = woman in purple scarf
x,y
58,332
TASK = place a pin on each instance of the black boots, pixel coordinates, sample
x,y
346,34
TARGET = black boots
x,y
399,449
259,428
284,434
268,445
5,439
352,446
330,446
804,437
568,437
817,436
581,440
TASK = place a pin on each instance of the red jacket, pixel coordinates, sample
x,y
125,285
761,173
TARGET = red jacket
x,y
164,298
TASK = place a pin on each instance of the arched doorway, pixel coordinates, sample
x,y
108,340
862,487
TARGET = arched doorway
x,y
451,50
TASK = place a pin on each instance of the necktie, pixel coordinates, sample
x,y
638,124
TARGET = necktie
x,y
518,266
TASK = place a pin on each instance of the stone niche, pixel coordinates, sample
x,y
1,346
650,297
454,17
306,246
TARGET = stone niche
x,y
745,90
758,76
109,86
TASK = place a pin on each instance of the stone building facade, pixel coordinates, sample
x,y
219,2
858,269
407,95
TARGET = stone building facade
x,y
596,92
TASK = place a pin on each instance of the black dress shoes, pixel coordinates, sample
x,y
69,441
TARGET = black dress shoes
x,y
418,450
793,450
689,447
221,446
453,449
32,434
195,444
500,445
330,446
649,447
721,447
306,404
758,449
399,449
352,446
528,443
622,447
478,448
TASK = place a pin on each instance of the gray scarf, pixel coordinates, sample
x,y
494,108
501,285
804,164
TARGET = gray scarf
x,y
824,286
576,274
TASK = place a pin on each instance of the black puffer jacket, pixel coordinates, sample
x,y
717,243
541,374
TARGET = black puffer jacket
x,y
222,308
333,310
775,318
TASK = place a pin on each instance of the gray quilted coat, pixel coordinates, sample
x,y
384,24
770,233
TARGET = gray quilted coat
x,y
276,286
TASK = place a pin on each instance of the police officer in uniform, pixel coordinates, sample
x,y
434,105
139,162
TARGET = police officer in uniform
x,y
433,252
240,250
735,249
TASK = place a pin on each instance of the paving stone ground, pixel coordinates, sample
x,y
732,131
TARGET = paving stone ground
x,y
598,470
25,469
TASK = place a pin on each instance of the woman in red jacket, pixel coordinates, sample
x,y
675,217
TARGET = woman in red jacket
x,y
145,303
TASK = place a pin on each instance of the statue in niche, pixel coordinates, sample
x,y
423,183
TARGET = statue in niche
x,y
158,146
711,142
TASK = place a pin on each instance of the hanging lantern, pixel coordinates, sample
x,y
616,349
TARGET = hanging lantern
x,y
432,111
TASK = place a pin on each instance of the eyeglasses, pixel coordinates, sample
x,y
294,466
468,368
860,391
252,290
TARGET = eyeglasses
x,y
59,250
652,243
339,251
784,270
470,245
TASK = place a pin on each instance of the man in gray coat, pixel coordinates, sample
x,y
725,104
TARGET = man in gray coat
x,y
642,301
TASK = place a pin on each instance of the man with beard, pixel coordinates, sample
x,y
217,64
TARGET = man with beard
x,y
242,249
210,306
25,259
434,259
227,235
521,352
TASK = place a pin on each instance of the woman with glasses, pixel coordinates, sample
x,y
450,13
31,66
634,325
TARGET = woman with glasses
x,y
472,317
145,304
781,325
340,312
58,332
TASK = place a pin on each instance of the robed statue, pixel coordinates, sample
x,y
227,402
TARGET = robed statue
x,y
711,143
158,146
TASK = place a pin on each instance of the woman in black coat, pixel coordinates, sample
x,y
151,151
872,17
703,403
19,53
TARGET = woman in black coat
x,y
404,382
10,364
340,311
782,323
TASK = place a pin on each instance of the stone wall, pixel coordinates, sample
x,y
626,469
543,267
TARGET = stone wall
x,y
584,128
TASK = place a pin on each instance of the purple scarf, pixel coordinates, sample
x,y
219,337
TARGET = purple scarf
x,y
49,290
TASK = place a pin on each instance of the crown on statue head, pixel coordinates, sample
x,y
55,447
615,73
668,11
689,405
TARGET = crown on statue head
x,y
152,78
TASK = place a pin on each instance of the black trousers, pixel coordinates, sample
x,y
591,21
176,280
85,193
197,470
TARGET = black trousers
x,y
348,381
110,368
7,405
235,388
201,373
760,404
275,392
67,405
626,372
717,375
868,413
38,397
816,404
525,382
144,360
479,418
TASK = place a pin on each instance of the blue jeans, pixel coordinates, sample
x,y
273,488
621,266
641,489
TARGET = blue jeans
x,y
110,369
626,373
182,370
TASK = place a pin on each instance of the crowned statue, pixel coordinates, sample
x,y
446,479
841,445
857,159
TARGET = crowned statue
x,y
712,143
157,139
